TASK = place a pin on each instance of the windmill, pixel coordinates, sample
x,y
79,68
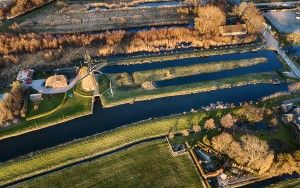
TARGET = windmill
x,y
88,60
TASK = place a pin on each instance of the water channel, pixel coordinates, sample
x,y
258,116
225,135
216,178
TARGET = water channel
x,y
110,118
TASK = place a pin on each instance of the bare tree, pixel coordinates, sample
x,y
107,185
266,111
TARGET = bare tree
x,y
251,16
210,124
256,151
222,142
227,121
196,128
5,113
208,19
284,164
2,13
249,151
250,113
12,103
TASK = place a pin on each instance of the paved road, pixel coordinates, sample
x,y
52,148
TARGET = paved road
x,y
271,42
39,84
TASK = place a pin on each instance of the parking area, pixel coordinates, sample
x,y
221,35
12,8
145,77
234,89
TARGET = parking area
x,y
284,21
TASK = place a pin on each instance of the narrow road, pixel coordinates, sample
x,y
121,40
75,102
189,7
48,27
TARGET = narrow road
x,y
38,85
272,43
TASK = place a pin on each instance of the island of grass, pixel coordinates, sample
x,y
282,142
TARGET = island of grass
x,y
151,163
123,95
52,110
181,71
85,148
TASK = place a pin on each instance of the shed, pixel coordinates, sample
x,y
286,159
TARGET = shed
x,y
56,81
287,107
25,76
233,30
35,97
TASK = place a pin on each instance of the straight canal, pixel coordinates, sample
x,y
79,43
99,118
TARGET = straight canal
x,y
110,118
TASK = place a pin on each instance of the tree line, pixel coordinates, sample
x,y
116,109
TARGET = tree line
x,y
19,7
249,150
111,42
12,105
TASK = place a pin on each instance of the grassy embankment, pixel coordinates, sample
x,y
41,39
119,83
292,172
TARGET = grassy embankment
x,y
151,163
48,105
94,145
181,71
131,95
293,183
73,107
137,59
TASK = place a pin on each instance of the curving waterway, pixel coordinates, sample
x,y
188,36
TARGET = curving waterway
x,y
110,118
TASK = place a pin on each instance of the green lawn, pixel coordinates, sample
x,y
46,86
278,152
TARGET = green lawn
x,y
146,165
48,103
73,107
103,83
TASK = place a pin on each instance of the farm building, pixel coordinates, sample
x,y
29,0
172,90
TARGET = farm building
x,y
233,30
56,81
25,76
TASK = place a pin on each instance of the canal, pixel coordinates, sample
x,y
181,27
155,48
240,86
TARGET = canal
x,y
110,118
271,64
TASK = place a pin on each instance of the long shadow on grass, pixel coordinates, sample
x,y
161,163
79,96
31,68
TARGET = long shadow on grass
x,y
127,146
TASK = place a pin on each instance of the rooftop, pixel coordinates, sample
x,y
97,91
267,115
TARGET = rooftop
x,y
25,74
233,29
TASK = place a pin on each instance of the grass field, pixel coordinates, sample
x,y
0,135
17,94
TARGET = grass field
x,y
98,144
130,95
150,163
75,106
66,19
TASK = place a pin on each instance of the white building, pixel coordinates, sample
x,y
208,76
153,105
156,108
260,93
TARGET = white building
x,y
25,76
